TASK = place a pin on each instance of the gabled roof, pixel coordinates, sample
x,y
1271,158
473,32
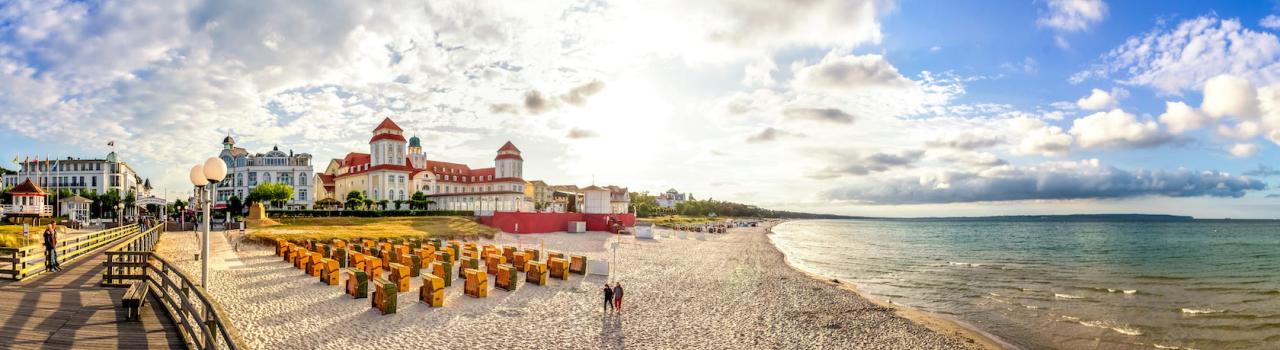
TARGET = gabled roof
x,y
27,187
509,147
386,137
387,124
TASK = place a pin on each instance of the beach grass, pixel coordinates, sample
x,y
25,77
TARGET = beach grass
x,y
11,235
353,228
679,220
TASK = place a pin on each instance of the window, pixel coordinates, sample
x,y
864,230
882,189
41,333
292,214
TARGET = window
x,y
302,194
302,179
93,181
266,177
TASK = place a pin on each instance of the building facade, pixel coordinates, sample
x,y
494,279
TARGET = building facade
x,y
395,168
670,198
82,176
247,171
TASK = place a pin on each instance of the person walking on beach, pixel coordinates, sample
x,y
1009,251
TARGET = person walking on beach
x,y
617,297
50,248
608,298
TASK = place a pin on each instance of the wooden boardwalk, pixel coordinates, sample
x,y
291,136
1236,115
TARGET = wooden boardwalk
x,y
69,310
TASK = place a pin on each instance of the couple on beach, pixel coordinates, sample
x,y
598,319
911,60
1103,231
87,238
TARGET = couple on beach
x,y
613,298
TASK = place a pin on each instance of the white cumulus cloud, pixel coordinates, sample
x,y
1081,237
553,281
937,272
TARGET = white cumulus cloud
x,y
1179,118
1244,150
1097,99
1118,129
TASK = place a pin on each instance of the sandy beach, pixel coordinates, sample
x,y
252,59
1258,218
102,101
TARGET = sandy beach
x,y
733,290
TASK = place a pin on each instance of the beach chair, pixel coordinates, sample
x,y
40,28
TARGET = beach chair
x,y
520,260
477,284
467,263
400,275
492,261
338,243
340,255
536,272
384,296
509,252
302,260
373,266
281,246
289,254
388,256
355,259
357,283
428,254
555,255
559,268
314,264
490,249
400,249
326,250
507,278
310,244
578,264
436,242
368,244
470,254
375,252
455,251
533,254
413,262
432,290
444,270
329,271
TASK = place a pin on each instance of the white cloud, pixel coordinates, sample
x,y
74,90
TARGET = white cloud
x,y
848,72
1244,150
1118,129
1241,131
1179,118
1040,138
1270,22
1073,15
1182,58
759,73
1228,95
1097,99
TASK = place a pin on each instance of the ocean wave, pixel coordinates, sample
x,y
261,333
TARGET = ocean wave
x,y
1066,296
1173,347
953,263
1113,326
1200,311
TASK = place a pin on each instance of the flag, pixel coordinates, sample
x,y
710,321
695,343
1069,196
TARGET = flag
x,y
15,159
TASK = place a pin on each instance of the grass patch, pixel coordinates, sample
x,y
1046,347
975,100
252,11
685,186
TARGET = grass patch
x,y
681,220
352,228
11,235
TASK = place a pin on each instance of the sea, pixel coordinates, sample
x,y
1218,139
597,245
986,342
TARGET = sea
x,y
1195,284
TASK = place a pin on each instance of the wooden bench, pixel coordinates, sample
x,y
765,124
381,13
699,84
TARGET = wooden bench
x,y
384,296
432,290
400,276
559,268
133,300
444,270
536,272
357,283
329,271
477,285
507,278
492,261
578,264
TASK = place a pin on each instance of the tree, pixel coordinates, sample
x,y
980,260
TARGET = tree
x,y
108,201
399,203
368,204
418,201
382,204
235,205
179,206
277,194
354,200
129,200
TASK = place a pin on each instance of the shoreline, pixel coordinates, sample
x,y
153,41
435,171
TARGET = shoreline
x,y
935,322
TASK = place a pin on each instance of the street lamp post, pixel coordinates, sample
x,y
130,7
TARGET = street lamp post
x,y
204,177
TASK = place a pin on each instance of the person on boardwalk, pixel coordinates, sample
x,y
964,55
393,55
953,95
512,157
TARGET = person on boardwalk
x,y
617,297
50,248
608,298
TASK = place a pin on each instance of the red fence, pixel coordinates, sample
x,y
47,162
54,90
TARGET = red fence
x,y
515,222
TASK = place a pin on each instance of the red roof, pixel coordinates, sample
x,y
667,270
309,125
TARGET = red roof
x,y
325,179
27,187
508,156
508,147
387,124
386,136
354,159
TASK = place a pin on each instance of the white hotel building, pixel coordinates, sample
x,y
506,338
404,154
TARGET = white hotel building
x,y
83,176
246,171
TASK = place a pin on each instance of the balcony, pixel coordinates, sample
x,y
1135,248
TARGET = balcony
x,y
27,210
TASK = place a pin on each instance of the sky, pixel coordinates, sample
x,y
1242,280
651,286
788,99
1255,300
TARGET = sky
x,y
858,107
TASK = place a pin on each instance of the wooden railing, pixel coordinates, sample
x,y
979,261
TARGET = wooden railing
x,y
201,321
199,318
126,260
27,261
14,209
